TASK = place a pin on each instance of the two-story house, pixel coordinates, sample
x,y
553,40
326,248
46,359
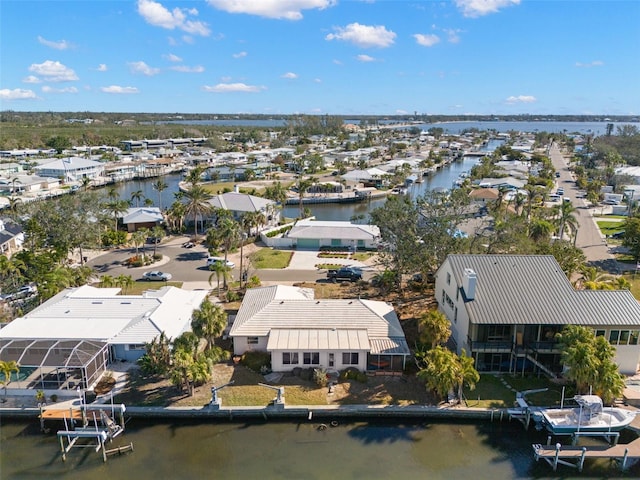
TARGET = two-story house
x,y
505,311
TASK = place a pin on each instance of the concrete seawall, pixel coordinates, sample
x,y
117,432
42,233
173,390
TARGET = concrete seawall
x,y
294,412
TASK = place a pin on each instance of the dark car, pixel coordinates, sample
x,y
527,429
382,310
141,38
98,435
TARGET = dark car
x,y
345,274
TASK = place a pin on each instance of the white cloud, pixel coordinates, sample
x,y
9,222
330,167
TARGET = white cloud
x,y
240,55
478,8
364,36
172,58
290,75
287,9
365,58
102,67
16,94
60,45
31,79
426,40
48,89
595,63
521,99
233,87
118,89
143,68
53,71
158,15
317,80
452,35
187,69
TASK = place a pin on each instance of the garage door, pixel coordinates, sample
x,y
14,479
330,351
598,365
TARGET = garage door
x,y
308,244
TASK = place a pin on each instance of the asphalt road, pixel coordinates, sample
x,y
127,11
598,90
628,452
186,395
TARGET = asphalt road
x,y
189,265
589,238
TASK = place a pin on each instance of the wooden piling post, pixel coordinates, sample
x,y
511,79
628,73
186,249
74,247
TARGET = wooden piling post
x,y
555,459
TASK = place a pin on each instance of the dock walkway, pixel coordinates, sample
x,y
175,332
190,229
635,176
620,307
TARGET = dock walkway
x,y
573,456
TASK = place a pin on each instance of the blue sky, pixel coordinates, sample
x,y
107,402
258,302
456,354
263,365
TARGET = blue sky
x,y
381,57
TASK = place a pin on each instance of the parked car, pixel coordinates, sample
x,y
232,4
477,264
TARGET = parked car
x,y
188,245
156,276
23,292
345,274
213,260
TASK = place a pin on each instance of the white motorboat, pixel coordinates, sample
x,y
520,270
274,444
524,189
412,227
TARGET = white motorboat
x,y
588,416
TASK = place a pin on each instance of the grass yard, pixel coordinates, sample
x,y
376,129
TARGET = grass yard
x,y
608,227
269,258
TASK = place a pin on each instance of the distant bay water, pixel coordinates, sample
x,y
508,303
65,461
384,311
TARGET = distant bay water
x,y
595,128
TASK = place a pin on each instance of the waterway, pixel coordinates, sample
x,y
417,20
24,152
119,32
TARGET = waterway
x,y
290,450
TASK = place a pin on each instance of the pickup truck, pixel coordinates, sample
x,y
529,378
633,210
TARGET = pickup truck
x,y
344,274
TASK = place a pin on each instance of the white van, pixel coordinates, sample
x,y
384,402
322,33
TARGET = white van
x,y
215,260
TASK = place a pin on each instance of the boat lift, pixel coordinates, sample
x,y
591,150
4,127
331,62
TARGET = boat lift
x,y
279,400
216,402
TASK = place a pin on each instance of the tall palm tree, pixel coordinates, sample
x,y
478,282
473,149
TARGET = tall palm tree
x,y
124,282
160,185
137,196
230,232
566,218
303,186
138,238
194,176
157,233
117,207
219,269
197,205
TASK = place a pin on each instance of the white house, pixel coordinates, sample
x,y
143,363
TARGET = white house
x,y
70,169
240,203
506,309
95,326
314,234
137,218
300,331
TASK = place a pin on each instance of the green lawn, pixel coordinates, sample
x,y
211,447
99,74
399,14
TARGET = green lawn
x,y
140,286
269,258
491,392
608,227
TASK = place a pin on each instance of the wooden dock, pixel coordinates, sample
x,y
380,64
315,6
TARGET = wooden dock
x,y
573,456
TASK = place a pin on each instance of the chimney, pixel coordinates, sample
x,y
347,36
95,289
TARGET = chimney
x,y
469,283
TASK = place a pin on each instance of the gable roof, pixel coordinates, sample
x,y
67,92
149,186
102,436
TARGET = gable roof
x,y
533,289
89,313
286,311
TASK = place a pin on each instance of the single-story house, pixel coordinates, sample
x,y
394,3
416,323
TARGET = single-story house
x,y
314,234
138,218
240,203
11,237
69,340
300,331
506,309
484,195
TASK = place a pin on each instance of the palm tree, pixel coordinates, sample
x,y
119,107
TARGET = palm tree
x,y
175,216
467,374
197,205
138,238
159,185
208,322
124,282
229,231
193,177
303,186
157,233
219,269
276,192
137,196
250,220
106,281
86,183
434,328
117,207
7,368
567,218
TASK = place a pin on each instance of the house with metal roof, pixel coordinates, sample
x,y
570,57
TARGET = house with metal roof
x,y
70,169
240,203
94,326
505,311
301,331
137,218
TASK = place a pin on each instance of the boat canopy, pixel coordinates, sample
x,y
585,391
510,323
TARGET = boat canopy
x,y
590,404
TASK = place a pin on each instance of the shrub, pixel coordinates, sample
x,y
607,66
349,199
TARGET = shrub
x,y
256,360
157,256
233,296
253,282
54,398
321,377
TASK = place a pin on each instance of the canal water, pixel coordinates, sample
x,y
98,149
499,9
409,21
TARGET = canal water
x,y
399,450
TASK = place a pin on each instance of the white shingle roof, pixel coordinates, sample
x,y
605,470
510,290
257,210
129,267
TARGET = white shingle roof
x,y
333,229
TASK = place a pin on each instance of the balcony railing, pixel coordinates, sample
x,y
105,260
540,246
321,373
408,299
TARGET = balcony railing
x,y
493,346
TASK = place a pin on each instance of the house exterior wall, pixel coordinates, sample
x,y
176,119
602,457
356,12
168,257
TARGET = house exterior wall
x,y
130,353
627,357
450,302
246,344
323,357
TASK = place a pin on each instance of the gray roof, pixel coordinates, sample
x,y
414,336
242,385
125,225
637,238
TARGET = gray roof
x,y
240,202
284,309
533,289
333,229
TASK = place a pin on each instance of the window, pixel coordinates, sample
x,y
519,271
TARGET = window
x,y
350,358
290,358
311,358
136,346
613,337
448,278
633,337
331,359
600,333
252,340
455,315
624,337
